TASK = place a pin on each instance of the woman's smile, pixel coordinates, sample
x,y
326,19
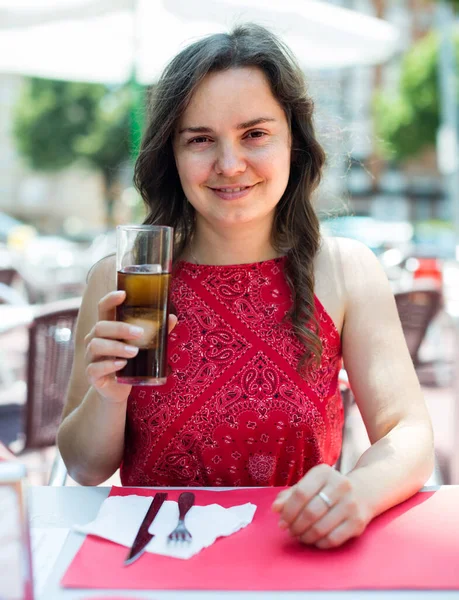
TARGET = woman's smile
x,y
232,192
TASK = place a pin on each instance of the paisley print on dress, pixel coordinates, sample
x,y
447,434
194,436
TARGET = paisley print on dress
x,y
235,411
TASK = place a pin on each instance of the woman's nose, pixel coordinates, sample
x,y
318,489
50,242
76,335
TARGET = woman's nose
x,y
230,160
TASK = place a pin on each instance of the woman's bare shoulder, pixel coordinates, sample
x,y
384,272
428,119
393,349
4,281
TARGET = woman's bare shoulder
x,y
357,271
329,280
342,248
328,264
100,281
345,257
341,267
104,270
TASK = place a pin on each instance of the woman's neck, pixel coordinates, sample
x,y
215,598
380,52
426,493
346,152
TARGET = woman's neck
x,y
208,247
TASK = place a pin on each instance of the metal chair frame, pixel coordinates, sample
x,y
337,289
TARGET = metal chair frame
x,y
50,358
417,309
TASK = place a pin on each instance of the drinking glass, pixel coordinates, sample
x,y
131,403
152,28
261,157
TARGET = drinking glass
x,y
144,264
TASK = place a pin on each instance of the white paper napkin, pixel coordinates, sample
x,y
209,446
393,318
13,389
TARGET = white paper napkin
x,y
120,517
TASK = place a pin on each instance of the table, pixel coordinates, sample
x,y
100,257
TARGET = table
x,y
65,506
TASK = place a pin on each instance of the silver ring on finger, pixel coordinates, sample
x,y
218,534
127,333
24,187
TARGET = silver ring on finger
x,y
326,499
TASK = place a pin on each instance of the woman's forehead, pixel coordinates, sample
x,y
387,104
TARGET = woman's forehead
x,y
240,93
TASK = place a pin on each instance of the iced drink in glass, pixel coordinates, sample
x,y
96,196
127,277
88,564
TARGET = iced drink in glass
x,y
144,260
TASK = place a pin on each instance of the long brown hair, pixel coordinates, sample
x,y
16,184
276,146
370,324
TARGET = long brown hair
x,y
296,226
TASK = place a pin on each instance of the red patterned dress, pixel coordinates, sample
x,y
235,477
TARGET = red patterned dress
x,y
234,410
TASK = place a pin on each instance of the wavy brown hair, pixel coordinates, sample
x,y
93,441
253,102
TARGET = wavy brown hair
x,y
296,226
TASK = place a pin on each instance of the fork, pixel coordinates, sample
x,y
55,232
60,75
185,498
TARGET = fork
x,y
181,533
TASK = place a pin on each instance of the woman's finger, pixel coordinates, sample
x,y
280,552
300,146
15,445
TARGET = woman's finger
x,y
97,372
324,525
335,492
302,493
280,500
115,330
118,330
340,534
99,347
107,305
311,513
172,322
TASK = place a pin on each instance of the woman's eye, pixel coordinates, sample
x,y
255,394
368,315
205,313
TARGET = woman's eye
x,y
256,134
199,140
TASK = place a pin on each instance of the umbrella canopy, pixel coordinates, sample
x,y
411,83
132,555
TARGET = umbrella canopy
x,y
105,40
322,35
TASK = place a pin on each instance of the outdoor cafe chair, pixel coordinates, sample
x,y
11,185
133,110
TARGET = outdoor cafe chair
x,y
8,275
417,309
49,363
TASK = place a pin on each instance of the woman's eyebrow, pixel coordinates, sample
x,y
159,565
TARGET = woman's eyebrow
x,y
254,122
245,125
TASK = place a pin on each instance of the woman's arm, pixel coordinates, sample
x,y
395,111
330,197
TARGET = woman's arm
x,y
385,386
91,435
389,397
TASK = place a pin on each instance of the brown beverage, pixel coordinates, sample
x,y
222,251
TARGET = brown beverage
x,y
147,306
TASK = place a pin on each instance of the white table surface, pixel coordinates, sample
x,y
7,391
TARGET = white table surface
x,y
66,506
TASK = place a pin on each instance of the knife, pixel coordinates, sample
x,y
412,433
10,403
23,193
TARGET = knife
x,y
143,537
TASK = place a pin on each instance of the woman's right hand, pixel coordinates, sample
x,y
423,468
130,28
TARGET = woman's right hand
x,y
105,354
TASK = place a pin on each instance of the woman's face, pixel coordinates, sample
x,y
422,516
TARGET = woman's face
x,y
232,149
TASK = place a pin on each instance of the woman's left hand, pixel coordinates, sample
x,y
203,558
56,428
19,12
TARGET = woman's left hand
x,y
326,521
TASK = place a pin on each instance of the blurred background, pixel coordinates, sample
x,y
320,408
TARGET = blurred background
x,y
74,75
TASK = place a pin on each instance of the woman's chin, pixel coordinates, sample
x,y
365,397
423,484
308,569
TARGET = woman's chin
x,y
241,219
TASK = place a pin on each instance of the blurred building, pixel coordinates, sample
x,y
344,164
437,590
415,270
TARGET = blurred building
x,y
374,187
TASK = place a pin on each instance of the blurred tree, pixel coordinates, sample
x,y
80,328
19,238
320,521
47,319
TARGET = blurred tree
x,y
454,3
407,123
57,123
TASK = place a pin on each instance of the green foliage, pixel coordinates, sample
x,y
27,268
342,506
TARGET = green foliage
x,y
407,123
57,123
106,146
454,3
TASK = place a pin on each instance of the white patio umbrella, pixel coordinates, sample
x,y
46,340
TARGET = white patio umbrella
x,y
321,34
105,40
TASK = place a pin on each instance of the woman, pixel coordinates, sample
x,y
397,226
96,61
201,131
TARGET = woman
x,y
264,311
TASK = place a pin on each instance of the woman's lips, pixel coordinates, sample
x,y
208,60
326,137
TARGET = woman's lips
x,y
232,193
